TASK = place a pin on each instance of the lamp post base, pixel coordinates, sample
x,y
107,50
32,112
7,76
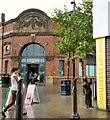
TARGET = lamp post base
x,y
75,116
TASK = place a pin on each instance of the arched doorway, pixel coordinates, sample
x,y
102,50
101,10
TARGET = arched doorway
x,y
33,60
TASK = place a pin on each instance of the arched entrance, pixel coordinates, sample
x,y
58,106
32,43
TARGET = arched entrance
x,y
33,60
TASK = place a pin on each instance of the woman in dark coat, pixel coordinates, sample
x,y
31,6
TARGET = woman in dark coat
x,y
88,92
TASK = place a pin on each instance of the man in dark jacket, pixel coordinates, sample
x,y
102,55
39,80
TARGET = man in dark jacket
x,y
87,92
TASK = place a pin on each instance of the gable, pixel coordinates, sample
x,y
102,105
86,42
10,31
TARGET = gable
x,y
32,20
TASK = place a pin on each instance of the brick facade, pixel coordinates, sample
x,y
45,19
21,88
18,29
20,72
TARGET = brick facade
x,y
32,26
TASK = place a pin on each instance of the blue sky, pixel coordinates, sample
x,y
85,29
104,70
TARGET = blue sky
x,y
12,8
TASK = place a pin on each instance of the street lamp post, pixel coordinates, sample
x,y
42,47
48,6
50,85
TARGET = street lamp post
x,y
75,115
19,101
74,5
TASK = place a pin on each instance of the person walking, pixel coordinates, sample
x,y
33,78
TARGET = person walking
x,y
14,88
87,92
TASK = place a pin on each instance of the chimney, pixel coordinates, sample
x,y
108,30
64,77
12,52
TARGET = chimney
x,y
2,18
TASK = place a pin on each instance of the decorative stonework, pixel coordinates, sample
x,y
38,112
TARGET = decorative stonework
x,y
7,46
32,37
33,21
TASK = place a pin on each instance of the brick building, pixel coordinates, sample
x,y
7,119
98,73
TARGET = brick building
x,y
28,42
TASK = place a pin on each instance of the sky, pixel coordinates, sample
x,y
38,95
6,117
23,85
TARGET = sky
x,y
12,8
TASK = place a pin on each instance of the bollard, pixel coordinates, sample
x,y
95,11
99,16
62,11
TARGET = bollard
x,y
19,101
75,115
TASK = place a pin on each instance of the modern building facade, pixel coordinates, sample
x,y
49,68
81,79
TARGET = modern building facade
x,y
28,42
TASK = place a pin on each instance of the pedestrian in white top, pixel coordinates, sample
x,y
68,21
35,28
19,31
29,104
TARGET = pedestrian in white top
x,y
14,87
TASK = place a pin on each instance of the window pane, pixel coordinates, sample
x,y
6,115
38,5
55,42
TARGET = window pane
x,y
42,60
24,52
80,68
42,72
87,70
30,50
42,67
23,70
42,52
23,60
32,60
91,70
36,50
35,60
61,68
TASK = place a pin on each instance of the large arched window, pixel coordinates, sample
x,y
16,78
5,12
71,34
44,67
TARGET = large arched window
x,y
32,59
33,53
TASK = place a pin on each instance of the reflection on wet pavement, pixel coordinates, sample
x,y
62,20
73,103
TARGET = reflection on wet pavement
x,y
53,105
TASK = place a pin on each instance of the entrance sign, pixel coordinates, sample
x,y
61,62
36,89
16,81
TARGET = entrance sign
x,y
32,95
8,97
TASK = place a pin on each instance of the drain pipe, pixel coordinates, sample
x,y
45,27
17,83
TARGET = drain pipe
x,y
2,37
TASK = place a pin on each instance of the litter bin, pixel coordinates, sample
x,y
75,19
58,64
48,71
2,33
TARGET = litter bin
x,y
65,87
5,80
95,90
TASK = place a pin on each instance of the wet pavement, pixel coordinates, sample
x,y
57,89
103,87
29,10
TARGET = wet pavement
x,y
54,105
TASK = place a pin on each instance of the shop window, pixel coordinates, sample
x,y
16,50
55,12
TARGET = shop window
x,y
61,67
90,70
6,66
90,66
